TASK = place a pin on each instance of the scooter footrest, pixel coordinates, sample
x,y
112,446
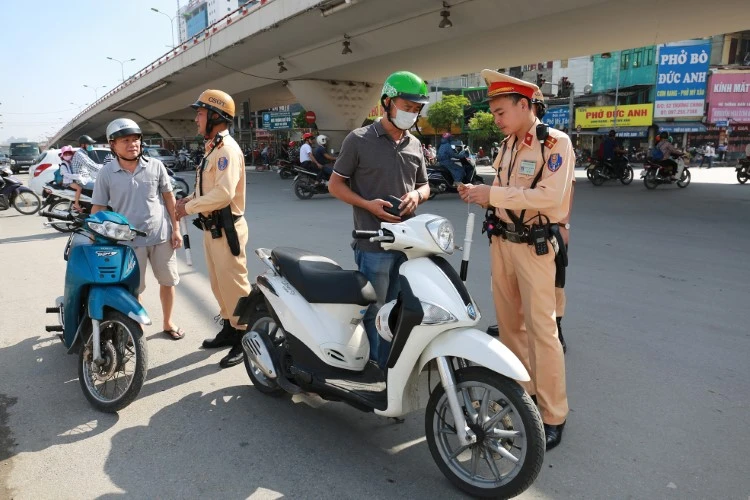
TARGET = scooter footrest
x,y
52,310
54,328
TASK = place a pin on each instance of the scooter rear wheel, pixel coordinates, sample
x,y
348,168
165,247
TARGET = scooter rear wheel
x,y
509,451
303,188
263,323
116,383
63,208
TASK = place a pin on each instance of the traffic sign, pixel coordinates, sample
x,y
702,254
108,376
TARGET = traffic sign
x,y
722,123
310,117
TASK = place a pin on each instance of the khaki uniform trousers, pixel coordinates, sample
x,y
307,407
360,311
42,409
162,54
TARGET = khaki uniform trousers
x,y
523,287
228,273
561,301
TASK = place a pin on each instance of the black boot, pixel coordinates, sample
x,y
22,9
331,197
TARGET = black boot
x,y
236,353
560,335
224,338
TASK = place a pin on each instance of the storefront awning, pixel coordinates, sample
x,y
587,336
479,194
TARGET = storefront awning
x,y
681,127
625,131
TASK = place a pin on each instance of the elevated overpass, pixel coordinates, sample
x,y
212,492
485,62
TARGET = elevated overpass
x,y
243,53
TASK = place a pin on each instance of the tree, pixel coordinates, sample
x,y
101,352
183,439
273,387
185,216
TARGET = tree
x,y
300,121
448,112
482,127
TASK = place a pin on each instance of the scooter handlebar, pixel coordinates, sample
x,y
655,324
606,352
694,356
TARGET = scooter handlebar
x,y
51,215
364,235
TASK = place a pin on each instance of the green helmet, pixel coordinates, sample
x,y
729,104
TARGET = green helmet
x,y
405,85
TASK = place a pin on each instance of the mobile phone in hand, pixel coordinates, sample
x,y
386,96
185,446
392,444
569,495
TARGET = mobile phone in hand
x,y
395,202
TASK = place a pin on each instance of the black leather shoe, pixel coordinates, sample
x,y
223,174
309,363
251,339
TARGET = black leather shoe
x,y
553,435
224,338
234,357
493,331
560,335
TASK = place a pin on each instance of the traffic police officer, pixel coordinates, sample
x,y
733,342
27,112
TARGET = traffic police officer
x,y
561,300
219,201
535,171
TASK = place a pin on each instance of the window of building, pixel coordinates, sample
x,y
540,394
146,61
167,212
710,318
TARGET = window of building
x,y
637,58
649,56
625,59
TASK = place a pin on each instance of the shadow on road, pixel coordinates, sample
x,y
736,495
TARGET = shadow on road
x,y
281,447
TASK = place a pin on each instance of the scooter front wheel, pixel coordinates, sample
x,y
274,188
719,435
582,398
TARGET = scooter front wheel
x,y
27,203
509,451
113,385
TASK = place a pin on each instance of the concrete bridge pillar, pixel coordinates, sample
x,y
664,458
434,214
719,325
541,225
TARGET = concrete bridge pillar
x,y
340,106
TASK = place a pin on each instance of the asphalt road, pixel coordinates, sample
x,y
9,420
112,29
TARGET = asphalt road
x,y
657,367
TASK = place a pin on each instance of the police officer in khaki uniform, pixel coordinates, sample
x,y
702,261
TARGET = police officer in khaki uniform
x,y
531,196
219,201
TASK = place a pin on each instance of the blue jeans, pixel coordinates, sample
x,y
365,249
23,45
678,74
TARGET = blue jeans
x,y
381,269
456,170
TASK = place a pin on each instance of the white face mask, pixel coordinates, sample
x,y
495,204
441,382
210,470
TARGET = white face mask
x,y
404,120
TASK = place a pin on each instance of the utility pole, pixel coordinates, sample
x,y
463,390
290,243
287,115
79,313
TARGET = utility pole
x,y
571,113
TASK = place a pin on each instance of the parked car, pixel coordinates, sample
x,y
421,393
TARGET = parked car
x,y
164,155
23,155
43,171
4,159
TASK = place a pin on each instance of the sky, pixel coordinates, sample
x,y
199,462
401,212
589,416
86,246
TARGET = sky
x,y
52,48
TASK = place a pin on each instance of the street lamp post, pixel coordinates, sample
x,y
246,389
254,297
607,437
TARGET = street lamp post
x,y
96,90
171,23
122,65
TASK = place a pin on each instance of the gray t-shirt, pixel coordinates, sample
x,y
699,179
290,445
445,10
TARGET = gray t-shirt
x,y
137,196
377,167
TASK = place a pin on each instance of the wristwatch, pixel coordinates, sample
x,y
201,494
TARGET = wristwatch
x,y
421,198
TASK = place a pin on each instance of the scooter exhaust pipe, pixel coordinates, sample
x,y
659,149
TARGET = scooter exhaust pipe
x,y
256,351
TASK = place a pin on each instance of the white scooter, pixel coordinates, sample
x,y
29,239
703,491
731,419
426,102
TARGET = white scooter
x,y
306,335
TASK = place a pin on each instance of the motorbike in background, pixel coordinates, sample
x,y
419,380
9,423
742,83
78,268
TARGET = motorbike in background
x,y
655,173
743,170
14,194
606,170
306,183
441,179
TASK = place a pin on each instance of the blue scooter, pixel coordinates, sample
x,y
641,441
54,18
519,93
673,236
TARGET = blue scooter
x,y
100,316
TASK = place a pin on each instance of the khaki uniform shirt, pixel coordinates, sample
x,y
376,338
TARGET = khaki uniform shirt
x,y
519,166
223,179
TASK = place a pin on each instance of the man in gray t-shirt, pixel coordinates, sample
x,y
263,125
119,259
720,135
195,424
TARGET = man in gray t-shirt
x,y
381,160
140,189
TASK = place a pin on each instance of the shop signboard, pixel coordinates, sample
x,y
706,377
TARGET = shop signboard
x,y
729,98
681,80
630,115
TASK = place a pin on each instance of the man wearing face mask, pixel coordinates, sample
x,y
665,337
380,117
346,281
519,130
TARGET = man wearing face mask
x,y
379,160
82,164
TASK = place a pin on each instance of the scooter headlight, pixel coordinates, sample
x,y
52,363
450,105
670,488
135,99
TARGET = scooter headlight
x,y
441,231
435,315
112,230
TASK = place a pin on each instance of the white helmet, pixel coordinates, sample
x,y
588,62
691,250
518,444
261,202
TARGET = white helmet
x,y
382,321
122,127
322,140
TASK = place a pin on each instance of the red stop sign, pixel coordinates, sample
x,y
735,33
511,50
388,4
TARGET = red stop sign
x,y
310,117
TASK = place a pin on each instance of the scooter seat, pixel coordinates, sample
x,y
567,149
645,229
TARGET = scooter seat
x,y
320,280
